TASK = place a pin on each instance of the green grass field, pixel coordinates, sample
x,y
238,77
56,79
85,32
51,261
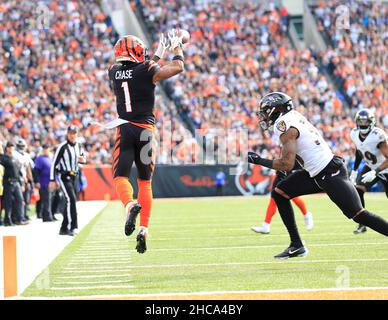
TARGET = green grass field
x,y
198,245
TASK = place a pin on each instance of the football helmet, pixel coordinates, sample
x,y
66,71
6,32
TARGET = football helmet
x,y
21,144
365,121
130,48
271,107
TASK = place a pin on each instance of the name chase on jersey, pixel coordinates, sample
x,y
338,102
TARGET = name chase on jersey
x,y
369,147
123,74
312,151
134,89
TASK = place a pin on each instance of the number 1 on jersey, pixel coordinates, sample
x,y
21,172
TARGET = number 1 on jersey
x,y
128,106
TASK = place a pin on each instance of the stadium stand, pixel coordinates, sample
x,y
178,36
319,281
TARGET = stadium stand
x,y
232,61
358,51
51,78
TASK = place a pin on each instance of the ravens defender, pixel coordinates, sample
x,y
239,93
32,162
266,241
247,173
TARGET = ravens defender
x,y
133,78
371,144
323,171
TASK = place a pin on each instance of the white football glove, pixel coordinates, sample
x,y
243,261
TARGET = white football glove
x,y
353,176
369,176
175,40
162,47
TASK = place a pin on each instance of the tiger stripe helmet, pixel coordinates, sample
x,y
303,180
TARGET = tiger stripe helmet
x,y
130,48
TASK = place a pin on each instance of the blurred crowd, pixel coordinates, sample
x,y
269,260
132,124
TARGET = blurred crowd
x,y
55,75
358,35
240,51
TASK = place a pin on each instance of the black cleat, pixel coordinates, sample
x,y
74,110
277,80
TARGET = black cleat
x,y
141,245
292,252
360,229
130,224
66,233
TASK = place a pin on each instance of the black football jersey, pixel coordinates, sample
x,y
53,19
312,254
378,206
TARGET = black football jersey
x,y
134,90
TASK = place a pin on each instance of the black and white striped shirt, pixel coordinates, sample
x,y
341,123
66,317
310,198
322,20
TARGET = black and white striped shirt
x,y
65,159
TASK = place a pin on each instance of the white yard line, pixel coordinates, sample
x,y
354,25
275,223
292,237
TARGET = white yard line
x,y
284,234
92,287
90,282
95,276
86,255
271,246
72,270
96,264
225,264
77,260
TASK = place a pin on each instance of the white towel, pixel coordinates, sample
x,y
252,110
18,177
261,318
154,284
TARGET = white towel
x,y
111,124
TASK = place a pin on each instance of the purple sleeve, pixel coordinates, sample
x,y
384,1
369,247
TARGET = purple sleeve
x,y
38,163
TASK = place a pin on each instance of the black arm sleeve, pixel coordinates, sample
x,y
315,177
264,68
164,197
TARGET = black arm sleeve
x,y
358,159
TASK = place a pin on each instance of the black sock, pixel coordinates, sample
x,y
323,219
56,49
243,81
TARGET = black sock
x,y
361,194
373,221
288,217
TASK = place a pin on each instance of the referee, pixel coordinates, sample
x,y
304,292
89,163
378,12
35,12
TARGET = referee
x,y
63,172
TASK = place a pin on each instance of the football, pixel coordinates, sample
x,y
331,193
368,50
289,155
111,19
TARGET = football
x,y
185,35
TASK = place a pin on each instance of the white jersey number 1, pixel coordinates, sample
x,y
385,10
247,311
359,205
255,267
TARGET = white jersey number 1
x,y
128,106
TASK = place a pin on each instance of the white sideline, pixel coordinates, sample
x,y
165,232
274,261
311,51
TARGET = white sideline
x,y
201,293
39,243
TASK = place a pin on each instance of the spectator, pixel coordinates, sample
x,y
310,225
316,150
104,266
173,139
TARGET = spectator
x,y
42,173
13,197
27,165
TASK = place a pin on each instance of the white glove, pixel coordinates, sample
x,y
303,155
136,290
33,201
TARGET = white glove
x,y
162,47
369,176
353,176
175,40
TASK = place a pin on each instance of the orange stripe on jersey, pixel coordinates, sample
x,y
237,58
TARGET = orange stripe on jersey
x,y
144,125
116,144
116,158
116,149
116,154
118,133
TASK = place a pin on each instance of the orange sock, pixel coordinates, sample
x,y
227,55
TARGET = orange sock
x,y
301,204
271,210
124,189
145,199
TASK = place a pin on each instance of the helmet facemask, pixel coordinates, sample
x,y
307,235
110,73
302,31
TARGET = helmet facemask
x,y
265,121
365,121
268,116
364,125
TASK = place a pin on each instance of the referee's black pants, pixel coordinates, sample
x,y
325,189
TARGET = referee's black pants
x,y
67,183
